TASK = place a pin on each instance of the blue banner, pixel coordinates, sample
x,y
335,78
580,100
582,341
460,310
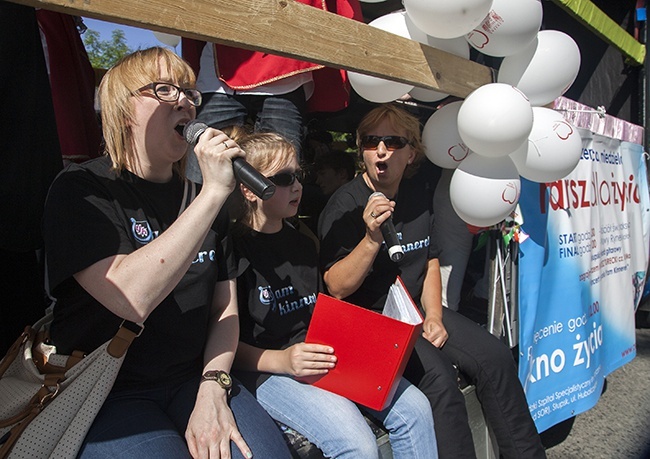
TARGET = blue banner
x,y
582,271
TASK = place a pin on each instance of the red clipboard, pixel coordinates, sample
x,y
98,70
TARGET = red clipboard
x,y
372,349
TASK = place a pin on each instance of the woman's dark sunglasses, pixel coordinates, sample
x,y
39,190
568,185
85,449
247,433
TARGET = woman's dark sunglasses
x,y
287,178
392,142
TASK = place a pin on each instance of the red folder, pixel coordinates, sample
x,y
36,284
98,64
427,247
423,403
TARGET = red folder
x,y
372,349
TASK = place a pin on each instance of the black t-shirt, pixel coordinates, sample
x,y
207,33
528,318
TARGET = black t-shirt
x,y
91,214
277,285
341,227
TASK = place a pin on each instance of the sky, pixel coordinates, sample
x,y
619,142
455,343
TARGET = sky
x,y
135,37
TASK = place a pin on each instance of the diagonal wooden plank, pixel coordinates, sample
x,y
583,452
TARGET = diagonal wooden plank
x,y
291,29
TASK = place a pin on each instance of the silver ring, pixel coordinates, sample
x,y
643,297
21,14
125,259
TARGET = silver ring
x,y
372,214
225,144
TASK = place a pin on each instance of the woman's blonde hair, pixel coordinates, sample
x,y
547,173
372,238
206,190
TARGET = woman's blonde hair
x,y
264,151
122,82
399,119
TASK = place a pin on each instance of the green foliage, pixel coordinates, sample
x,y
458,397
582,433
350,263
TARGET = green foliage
x,y
104,53
344,138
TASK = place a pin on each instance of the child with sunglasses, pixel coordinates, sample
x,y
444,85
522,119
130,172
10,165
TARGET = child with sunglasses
x,y
357,268
277,285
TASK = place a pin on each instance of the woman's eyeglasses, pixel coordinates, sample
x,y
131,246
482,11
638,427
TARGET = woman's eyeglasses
x,y
168,92
287,178
392,142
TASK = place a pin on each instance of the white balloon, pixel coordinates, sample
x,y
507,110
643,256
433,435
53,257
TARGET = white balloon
x,y
443,145
508,28
426,95
447,18
377,89
457,46
545,69
553,149
168,39
396,22
484,191
495,120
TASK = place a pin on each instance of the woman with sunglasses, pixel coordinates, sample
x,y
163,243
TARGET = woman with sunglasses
x,y
277,285
357,268
124,241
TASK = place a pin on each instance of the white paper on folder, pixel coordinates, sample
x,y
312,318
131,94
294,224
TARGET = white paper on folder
x,y
399,305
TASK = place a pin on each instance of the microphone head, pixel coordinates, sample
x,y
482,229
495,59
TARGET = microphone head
x,y
193,130
376,193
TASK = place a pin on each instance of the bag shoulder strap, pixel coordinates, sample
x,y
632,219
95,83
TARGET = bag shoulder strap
x,y
125,335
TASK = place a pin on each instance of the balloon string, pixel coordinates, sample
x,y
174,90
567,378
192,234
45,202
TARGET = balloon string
x,y
539,153
600,111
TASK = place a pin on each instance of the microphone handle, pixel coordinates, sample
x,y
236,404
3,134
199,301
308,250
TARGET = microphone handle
x,y
261,186
395,251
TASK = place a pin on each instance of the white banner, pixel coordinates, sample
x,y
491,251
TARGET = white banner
x,y
581,274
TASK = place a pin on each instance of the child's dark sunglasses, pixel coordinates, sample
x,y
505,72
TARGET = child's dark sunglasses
x,y
392,142
287,178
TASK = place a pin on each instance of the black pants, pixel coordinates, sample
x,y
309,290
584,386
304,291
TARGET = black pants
x,y
488,364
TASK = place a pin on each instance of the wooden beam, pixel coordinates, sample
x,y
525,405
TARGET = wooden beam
x,y
291,29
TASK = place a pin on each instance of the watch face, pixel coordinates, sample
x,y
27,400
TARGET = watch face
x,y
224,380
220,377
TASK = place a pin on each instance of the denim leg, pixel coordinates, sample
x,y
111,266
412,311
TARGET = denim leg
x,y
331,422
151,423
410,423
261,433
218,111
489,365
433,373
284,114
133,424
222,110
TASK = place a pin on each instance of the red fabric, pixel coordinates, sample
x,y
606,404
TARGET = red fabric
x,y
72,80
243,69
191,50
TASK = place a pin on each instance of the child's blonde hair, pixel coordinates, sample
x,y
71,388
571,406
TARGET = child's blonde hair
x,y
264,151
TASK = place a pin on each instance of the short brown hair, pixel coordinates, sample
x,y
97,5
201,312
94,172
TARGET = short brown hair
x,y
400,119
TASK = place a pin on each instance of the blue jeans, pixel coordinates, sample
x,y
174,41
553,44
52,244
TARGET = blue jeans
x,y
151,423
337,427
282,114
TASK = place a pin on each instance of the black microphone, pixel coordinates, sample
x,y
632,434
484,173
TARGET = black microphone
x,y
395,251
244,172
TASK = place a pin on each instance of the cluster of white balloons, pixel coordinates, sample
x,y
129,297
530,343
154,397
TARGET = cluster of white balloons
x,y
501,131
492,138
542,64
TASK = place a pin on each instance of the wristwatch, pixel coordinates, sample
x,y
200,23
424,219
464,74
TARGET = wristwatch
x,y
220,377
